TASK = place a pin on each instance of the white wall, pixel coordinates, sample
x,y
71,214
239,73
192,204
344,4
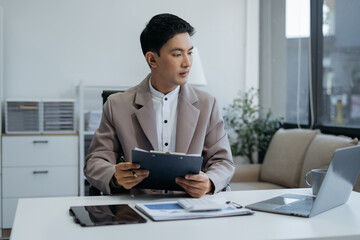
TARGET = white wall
x,y
1,92
50,45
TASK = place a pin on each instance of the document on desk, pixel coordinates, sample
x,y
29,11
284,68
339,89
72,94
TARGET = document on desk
x,y
171,210
164,167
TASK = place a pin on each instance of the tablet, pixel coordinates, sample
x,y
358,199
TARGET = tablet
x,y
100,215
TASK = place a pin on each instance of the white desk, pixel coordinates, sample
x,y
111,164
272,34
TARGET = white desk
x,y
48,218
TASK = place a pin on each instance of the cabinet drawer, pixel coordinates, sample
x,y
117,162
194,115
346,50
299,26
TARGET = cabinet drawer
x,y
9,209
39,150
40,181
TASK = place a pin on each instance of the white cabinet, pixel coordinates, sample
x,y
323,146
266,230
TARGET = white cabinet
x,y
37,166
39,150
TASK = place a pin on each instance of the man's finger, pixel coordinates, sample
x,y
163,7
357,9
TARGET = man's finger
x,y
188,183
127,166
195,177
131,181
131,174
192,191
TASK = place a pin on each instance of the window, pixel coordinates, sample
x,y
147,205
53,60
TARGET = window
x,y
297,65
284,59
340,89
322,82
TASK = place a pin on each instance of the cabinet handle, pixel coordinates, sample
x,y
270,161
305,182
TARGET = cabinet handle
x,y
40,141
41,172
28,107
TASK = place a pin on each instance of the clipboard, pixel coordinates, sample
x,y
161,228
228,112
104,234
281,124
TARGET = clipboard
x,y
164,168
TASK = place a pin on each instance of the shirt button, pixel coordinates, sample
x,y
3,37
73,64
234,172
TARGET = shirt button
x,y
165,121
165,99
166,144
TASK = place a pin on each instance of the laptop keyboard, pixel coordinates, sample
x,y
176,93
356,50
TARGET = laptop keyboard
x,y
301,206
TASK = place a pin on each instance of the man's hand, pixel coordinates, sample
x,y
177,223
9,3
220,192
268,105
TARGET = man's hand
x,y
128,174
196,185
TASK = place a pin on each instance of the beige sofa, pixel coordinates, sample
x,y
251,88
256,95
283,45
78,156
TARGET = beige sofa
x,y
290,155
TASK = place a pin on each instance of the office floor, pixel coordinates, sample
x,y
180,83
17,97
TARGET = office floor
x,y
6,233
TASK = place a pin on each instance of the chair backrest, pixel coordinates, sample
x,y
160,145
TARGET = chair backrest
x,y
106,93
93,191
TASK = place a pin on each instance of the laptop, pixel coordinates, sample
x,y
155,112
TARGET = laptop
x,y
335,190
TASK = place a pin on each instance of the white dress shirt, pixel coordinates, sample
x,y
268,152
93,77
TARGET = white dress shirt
x,y
166,117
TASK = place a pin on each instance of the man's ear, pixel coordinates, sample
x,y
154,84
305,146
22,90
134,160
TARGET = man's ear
x,y
151,59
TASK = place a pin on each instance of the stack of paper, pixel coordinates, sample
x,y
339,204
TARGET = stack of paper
x,y
171,210
92,120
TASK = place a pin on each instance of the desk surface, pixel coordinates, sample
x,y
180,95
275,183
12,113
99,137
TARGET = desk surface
x,y
48,218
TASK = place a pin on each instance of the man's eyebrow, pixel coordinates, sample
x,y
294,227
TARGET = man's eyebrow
x,y
181,50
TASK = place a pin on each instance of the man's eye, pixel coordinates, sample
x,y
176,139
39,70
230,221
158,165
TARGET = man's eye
x,y
190,53
177,55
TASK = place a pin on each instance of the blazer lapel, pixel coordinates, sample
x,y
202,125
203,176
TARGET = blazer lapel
x,y
188,116
146,114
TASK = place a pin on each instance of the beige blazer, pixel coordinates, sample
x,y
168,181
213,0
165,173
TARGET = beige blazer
x,y
128,121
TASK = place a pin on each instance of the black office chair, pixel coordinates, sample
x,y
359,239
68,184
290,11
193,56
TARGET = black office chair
x,y
106,93
93,191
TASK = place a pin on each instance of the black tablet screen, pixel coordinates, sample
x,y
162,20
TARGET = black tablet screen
x,y
105,215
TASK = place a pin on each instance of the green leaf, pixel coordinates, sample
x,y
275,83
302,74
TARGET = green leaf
x,y
248,132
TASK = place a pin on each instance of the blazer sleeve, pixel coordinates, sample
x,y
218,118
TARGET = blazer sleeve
x,y
219,165
104,151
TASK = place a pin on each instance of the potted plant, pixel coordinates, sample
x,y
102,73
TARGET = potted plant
x,y
248,131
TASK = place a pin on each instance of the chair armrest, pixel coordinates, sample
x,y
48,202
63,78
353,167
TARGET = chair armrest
x,y
246,173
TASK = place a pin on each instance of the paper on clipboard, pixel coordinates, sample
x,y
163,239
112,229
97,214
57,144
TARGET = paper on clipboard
x,y
171,210
165,167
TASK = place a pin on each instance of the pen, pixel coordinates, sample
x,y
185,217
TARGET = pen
x,y
122,159
234,204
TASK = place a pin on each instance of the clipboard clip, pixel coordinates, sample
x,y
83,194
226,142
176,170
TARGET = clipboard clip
x,y
175,153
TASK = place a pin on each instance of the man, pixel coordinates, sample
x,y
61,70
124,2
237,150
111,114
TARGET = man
x,y
161,113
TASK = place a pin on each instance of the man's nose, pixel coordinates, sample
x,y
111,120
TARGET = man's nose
x,y
187,61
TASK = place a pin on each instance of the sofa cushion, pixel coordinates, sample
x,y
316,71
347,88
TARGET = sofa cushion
x,y
284,158
246,173
320,152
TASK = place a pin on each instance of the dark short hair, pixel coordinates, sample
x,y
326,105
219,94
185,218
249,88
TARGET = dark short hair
x,y
160,29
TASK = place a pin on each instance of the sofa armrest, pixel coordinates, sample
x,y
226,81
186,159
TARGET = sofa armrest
x,y
357,184
247,173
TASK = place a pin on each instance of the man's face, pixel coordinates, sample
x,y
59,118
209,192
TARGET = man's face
x,y
174,63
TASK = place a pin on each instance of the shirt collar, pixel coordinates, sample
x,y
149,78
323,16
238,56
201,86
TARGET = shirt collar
x,y
159,95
